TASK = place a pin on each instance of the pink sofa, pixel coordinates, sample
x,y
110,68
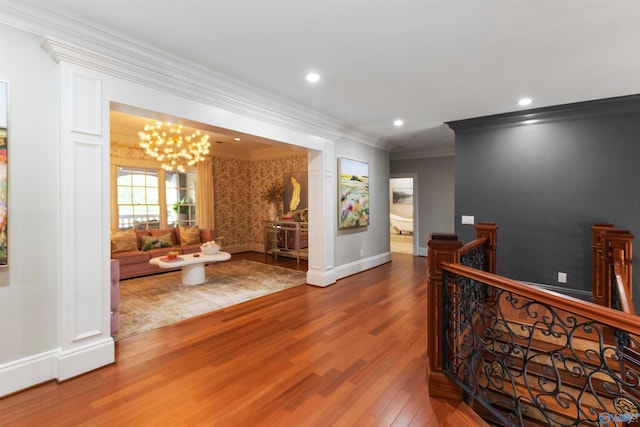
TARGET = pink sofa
x,y
115,296
136,263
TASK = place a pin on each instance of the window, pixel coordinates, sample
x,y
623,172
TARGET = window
x,y
154,199
181,198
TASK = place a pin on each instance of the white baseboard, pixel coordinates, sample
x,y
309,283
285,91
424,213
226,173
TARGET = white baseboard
x,y
362,265
27,372
84,359
54,365
323,279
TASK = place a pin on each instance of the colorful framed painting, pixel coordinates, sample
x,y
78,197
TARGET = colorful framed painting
x,y
4,119
353,192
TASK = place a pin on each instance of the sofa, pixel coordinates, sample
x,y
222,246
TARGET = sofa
x,y
134,248
115,296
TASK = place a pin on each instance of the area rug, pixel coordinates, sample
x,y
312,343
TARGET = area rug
x,y
150,302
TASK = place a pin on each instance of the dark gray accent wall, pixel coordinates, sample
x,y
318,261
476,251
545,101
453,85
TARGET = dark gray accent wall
x,y
547,183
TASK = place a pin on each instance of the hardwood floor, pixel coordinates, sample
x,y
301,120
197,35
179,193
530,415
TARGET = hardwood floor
x,y
352,354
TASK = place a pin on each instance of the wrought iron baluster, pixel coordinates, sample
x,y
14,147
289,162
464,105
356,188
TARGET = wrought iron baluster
x,y
524,360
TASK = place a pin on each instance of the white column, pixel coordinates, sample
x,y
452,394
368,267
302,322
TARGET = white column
x,y
85,341
322,216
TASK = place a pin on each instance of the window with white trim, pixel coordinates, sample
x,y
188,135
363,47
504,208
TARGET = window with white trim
x,y
154,198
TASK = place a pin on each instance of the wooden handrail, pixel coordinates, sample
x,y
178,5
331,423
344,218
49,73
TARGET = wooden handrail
x,y
473,245
604,315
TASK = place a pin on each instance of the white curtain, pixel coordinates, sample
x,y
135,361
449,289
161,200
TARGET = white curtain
x,y
204,194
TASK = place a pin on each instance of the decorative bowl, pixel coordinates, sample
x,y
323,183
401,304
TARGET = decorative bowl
x,y
173,254
210,250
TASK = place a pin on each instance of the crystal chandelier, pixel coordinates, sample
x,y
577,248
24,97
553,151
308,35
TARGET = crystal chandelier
x,y
165,143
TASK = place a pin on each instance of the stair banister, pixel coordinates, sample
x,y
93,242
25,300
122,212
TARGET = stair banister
x,y
446,248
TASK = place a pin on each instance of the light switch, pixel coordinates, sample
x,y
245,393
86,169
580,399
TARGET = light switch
x,y
467,219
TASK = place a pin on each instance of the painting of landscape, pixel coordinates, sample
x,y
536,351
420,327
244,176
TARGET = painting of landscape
x,y
3,173
354,193
403,196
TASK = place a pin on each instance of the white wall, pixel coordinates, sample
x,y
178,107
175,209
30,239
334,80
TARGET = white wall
x,y
29,285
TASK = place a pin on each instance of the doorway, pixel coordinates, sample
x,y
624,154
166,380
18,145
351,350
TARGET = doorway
x,y
402,214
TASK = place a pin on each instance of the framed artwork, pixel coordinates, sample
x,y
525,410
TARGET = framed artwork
x,y
4,119
353,192
402,196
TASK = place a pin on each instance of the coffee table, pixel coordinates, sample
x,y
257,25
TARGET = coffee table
x,y
192,265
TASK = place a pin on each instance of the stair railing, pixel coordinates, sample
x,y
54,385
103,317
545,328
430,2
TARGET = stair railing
x,y
530,356
481,253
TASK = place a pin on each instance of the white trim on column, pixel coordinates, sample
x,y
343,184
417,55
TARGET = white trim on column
x,y
85,341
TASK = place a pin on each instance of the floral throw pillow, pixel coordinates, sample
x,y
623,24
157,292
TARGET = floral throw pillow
x,y
189,235
152,242
124,241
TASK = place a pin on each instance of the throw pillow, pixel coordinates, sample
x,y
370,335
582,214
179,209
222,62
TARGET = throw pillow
x,y
189,235
123,241
151,242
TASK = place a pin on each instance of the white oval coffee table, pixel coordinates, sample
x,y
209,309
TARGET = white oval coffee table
x,y
192,265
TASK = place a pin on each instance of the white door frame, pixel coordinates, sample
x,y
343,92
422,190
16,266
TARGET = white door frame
x,y
414,178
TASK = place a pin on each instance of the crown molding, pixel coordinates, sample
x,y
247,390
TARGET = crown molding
x,y
629,104
106,51
444,150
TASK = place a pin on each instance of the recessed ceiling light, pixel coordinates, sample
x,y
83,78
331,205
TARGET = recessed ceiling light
x,y
530,122
524,101
398,122
313,77
236,139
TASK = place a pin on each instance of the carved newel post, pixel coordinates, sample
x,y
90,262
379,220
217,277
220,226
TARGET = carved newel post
x,y
598,267
620,242
442,248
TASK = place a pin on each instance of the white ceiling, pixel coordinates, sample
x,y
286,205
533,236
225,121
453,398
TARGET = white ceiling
x,y
425,61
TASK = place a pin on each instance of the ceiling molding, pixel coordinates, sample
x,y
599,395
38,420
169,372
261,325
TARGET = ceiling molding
x,y
444,150
110,53
587,109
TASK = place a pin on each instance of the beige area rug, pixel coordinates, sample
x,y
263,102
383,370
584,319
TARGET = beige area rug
x,y
150,302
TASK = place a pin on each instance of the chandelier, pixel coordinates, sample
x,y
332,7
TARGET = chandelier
x,y
165,143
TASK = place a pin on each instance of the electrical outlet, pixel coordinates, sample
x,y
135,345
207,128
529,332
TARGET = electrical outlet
x,y
562,277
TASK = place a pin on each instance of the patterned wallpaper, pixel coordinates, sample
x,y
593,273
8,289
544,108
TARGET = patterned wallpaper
x,y
263,173
121,151
238,187
232,199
